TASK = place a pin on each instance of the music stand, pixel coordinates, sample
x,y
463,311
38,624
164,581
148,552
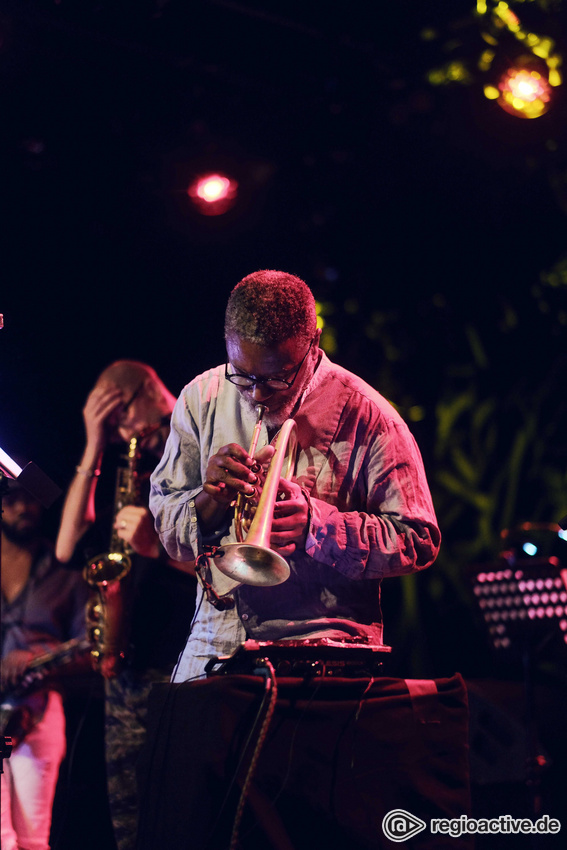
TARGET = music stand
x,y
523,605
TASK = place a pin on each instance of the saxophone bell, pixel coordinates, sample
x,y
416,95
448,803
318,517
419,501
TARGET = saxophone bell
x,y
111,566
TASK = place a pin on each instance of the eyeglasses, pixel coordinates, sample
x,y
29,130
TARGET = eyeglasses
x,y
242,380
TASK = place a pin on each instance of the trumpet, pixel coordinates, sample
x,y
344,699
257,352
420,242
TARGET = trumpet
x,y
250,560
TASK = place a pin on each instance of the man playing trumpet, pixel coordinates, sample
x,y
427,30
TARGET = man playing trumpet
x,y
358,509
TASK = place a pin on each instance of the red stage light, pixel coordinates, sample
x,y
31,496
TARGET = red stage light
x,y
213,188
213,194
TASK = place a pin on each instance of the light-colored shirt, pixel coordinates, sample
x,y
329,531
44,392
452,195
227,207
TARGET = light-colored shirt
x,y
371,514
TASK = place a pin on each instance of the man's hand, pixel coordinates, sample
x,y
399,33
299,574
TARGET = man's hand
x,y
99,408
14,665
291,516
135,525
229,472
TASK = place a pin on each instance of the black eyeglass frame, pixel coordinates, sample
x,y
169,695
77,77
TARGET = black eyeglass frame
x,y
252,380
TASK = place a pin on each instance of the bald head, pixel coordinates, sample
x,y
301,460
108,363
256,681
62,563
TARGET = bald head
x,y
128,375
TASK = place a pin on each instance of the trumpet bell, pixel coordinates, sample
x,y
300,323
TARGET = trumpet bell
x,y
258,566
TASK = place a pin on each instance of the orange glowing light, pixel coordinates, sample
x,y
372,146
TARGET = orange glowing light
x,y
527,86
213,194
524,92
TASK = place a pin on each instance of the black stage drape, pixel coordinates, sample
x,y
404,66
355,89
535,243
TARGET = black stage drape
x,y
339,755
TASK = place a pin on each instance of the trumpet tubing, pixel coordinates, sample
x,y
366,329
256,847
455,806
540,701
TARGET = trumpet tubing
x,y
251,560
281,466
243,507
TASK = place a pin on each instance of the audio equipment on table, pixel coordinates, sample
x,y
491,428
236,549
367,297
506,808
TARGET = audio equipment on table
x,y
311,657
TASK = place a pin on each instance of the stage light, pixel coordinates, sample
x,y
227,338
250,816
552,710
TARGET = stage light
x,y
524,91
8,465
30,477
213,188
534,61
213,194
535,539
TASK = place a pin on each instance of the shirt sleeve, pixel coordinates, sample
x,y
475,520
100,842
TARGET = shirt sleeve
x,y
397,531
175,482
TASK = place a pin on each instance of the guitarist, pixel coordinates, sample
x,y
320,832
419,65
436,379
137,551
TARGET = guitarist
x,y
43,606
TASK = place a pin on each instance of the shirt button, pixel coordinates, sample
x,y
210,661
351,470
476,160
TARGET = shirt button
x,y
244,617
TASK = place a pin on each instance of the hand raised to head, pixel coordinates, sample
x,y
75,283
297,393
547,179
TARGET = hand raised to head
x,y
101,403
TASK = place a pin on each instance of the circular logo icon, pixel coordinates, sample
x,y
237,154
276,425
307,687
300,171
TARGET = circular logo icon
x,y
399,825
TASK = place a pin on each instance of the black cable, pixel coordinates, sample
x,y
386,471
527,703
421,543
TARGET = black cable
x,y
239,765
271,694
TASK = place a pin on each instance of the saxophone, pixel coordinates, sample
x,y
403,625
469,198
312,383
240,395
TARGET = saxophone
x,y
109,574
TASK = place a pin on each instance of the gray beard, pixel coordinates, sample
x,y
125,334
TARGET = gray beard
x,y
270,420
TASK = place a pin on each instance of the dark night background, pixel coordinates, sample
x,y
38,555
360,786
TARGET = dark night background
x,y
429,223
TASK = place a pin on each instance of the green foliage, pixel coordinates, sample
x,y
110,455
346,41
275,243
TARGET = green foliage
x,y
494,433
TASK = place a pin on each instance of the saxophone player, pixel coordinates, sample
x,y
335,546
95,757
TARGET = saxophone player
x,y
128,405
